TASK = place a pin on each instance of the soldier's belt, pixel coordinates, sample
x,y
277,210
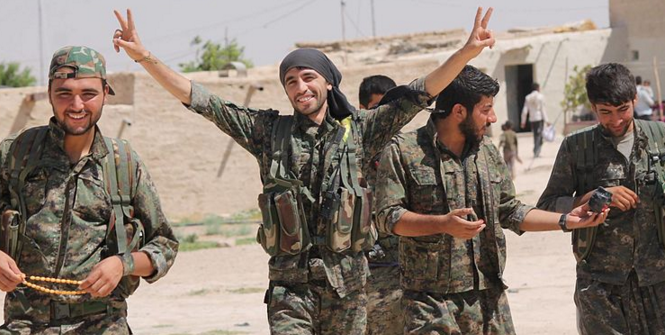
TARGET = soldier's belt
x,y
62,311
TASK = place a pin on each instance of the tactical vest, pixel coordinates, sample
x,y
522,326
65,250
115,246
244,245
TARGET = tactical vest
x,y
584,141
124,233
345,205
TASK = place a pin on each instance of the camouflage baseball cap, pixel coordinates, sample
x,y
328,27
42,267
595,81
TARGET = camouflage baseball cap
x,y
85,63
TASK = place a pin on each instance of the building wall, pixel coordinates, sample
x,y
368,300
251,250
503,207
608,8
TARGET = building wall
x,y
642,23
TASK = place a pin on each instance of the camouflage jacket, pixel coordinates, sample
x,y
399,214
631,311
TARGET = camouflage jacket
x,y
68,244
252,129
626,241
418,174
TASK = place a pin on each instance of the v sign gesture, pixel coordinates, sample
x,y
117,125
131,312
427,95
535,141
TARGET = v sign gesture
x,y
480,37
127,38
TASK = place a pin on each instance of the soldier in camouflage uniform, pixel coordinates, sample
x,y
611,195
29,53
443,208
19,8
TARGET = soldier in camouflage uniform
x,y
68,211
445,190
384,315
621,271
314,289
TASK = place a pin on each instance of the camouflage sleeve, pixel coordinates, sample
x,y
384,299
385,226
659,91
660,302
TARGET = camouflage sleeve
x,y
558,195
244,125
384,122
161,245
511,211
390,190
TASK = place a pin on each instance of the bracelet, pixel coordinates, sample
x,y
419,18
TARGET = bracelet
x,y
562,223
147,58
127,263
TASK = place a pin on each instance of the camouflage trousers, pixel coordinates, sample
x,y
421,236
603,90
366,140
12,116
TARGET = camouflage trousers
x,y
620,309
314,308
473,312
384,313
92,325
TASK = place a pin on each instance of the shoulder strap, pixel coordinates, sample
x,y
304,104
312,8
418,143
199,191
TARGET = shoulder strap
x,y
656,135
24,156
585,145
120,171
280,139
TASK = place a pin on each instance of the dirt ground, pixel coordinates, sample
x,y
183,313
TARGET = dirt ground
x,y
220,291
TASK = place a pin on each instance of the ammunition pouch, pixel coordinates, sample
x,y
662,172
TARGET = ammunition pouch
x,y
283,230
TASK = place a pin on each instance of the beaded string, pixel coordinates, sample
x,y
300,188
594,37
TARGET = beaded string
x,y
53,280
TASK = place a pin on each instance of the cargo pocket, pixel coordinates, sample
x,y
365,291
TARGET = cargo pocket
x,y
294,236
424,192
423,261
268,233
339,231
34,191
364,232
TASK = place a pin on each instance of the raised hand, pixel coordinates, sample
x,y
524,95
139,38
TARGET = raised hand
x,y
458,226
480,37
127,38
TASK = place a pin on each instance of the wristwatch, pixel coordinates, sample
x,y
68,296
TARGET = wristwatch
x,y
562,223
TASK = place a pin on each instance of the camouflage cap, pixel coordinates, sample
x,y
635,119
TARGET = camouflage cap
x,y
85,63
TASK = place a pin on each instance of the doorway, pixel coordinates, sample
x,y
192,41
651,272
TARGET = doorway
x,y
519,79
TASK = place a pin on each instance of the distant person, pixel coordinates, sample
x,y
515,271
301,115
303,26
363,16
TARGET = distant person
x,y
646,84
508,141
384,315
372,89
645,101
534,107
315,203
89,217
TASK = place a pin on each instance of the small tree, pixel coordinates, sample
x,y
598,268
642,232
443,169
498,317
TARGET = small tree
x,y
12,77
213,56
574,94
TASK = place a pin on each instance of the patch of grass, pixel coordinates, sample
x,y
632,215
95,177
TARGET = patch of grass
x,y
245,241
222,332
190,243
230,230
247,290
162,326
202,291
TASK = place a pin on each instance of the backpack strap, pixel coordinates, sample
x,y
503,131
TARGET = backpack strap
x,y
655,132
584,142
23,158
120,171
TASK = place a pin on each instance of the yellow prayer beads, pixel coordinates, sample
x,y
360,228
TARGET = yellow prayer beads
x,y
53,280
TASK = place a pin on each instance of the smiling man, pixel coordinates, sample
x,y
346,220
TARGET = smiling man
x,y
316,205
445,190
621,264
86,214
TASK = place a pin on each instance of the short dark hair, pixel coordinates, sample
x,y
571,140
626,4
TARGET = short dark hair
x,y
467,89
638,80
507,125
611,84
378,84
535,86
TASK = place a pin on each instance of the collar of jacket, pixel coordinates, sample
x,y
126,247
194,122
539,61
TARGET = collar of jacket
x,y
98,149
